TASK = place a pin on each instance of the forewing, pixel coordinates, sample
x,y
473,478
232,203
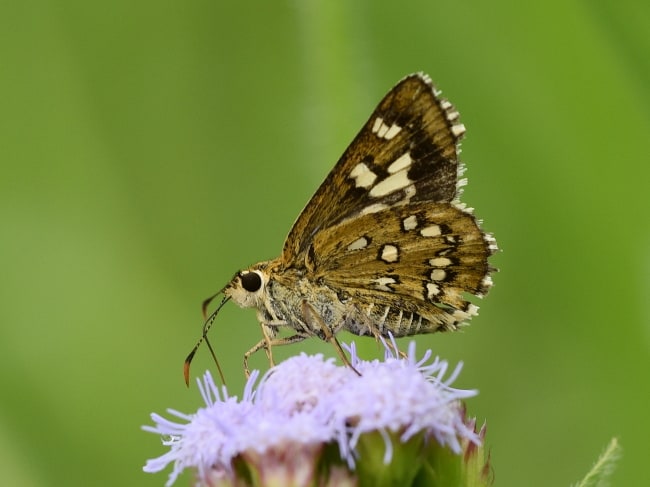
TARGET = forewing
x,y
405,153
420,257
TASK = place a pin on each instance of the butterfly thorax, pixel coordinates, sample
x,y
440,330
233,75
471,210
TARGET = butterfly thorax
x,y
286,298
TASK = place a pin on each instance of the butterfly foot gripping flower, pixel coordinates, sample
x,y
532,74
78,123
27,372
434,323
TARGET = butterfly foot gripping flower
x,y
309,422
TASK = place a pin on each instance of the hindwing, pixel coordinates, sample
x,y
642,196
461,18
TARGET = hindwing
x,y
420,257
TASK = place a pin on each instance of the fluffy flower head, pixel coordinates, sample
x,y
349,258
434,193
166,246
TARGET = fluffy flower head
x,y
307,405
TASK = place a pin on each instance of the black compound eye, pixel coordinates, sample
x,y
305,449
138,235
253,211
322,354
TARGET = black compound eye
x,y
251,281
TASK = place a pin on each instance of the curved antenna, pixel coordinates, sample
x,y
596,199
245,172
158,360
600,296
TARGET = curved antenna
x,y
206,303
204,338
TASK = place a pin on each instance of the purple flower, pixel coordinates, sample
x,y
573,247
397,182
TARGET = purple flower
x,y
305,408
405,396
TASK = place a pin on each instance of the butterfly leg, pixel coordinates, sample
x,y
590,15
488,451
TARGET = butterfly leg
x,y
393,346
375,331
387,341
269,331
312,318
267,343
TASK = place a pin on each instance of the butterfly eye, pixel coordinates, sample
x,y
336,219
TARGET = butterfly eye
x,y
251,281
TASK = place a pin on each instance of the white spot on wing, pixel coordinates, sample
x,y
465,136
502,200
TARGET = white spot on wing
x,y
358,244
373,208
363,176
382,283
432,290
409,223
430,231
402,162
440,262
438,275
389,253
384,131
392,131
392,183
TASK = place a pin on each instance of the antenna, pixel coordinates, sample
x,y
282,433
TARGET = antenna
x,y
204,338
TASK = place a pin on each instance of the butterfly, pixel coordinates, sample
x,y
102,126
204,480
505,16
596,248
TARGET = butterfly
x,y
384,246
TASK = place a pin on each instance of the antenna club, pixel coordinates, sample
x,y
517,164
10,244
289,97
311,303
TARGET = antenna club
x,y
186,373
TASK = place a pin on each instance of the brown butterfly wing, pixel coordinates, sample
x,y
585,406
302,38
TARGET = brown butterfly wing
x,y
405,153
420,257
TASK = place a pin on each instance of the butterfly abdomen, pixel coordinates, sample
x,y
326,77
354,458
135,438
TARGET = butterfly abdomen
x,y
385,319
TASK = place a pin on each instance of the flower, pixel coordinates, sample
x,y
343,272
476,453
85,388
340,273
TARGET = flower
x,y
311,422
404,395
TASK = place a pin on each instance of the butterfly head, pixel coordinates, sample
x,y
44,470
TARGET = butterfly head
x,y
247,288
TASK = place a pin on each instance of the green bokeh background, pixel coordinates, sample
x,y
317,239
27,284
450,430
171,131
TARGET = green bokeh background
x,y
150,149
